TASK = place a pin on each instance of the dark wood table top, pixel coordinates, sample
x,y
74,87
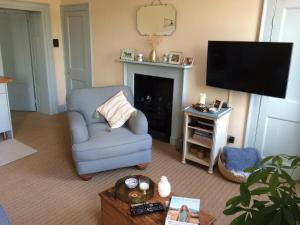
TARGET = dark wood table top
x,y
154,218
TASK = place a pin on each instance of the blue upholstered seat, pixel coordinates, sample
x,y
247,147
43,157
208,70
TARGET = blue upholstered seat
x,y
94,147
105,144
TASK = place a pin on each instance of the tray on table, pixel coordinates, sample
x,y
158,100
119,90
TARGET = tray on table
x,y
134,195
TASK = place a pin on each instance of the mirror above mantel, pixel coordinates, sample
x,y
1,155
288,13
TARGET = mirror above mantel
x,y
156,19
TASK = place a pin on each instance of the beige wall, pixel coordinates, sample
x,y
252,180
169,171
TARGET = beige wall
x,y
113,26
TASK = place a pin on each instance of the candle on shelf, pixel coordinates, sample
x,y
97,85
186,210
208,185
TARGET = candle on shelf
x,y
202,98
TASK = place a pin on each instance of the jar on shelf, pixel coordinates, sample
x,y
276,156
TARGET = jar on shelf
x,y
140,57
165,58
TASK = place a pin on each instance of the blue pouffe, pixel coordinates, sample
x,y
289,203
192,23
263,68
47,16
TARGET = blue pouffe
x,y
238,159
233,161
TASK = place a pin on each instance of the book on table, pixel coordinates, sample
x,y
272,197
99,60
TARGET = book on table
x,y
183,211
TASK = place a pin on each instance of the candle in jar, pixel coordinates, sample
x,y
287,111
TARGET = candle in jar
x,y
144,186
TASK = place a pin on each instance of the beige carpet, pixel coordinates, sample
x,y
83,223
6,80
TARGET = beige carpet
x,y
12,150
44,189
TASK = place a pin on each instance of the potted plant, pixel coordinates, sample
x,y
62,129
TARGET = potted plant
x,y
269,196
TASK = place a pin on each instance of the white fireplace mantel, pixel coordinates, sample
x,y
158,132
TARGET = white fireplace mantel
x,y
176,72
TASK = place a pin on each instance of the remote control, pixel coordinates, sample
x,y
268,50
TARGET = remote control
x,y
146,208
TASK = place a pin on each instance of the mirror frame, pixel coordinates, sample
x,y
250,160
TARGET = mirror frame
x,y
175,25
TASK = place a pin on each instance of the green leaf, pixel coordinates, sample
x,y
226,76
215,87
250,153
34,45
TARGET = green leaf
x,y
275,199
269,209
274,180
240,220
288,178
288,216
295,162
296,211
260,191
249,170
258,205
234,201
277,218
277,160
232,210
245,195
266,159
256,176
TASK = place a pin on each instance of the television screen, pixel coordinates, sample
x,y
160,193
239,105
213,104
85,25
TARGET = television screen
x,y
255,67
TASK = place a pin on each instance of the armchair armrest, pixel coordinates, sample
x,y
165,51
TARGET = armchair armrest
x,y
78,128
138,123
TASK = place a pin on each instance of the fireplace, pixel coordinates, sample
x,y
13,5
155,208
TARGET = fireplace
x,y
154,97
159,79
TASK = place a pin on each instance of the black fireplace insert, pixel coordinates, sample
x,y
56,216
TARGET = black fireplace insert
x,y
154,96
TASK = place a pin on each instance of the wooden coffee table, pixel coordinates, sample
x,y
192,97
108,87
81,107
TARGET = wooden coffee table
x,y
115,212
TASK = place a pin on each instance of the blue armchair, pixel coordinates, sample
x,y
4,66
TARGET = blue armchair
x,y
97,148
3,217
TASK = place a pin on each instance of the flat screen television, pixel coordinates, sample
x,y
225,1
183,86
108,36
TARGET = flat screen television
x,y
255,67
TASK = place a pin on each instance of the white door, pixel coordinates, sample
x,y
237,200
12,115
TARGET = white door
x,y
76,31
16,53
278,130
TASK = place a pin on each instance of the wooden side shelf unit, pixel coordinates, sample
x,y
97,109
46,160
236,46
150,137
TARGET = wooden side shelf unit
x,y
205,134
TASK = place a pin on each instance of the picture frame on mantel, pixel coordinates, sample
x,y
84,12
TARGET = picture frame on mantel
x,y
188,61
127,54
175,57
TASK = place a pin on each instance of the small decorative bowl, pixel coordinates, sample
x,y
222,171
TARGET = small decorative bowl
x,y
131,182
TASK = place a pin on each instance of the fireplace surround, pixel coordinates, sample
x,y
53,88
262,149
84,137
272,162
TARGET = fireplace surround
x,y
176,74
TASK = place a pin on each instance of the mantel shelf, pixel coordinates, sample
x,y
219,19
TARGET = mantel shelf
x,y
156,64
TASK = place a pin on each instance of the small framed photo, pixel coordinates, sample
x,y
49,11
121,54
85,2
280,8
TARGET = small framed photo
x,y
188,61
218,104
175,57
127,54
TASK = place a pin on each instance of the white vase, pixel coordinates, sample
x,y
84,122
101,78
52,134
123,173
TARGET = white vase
x,y
164,187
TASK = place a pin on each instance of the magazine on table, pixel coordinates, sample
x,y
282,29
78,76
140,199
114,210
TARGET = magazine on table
x,y
183,211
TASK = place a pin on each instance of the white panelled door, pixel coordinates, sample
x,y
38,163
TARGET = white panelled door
x,y
76,31
16,53
278,130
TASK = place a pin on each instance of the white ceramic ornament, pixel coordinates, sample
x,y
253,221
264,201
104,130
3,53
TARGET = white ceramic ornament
x,y
164,187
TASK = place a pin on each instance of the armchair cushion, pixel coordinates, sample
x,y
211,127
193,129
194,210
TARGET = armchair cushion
x,y
79,131
87,100
138,123
104,143
116,110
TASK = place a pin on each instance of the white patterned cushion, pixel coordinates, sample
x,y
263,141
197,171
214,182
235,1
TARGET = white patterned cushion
x,y
117,110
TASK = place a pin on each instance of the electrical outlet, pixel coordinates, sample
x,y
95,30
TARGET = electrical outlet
x,y
230,139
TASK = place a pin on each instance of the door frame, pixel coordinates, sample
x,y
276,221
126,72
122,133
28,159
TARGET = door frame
x,y
265,34
50,82
76,7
